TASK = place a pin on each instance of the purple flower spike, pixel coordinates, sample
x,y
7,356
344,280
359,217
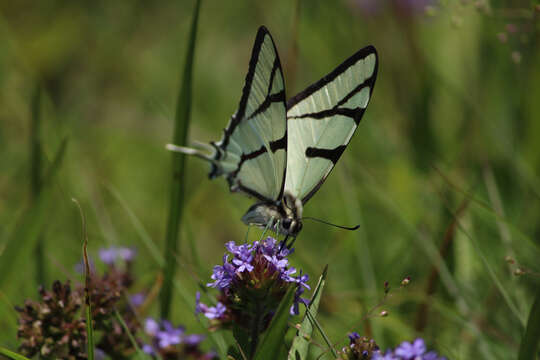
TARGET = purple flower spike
x,y
268,246
279,264
148,349
99,354
261,267
387,356
211,312
169,335
286,275
409,351
126,254
243,265
108,255
80,267
432,355
354,336
302,280
151,327
221,276
215,312
137,300
193,339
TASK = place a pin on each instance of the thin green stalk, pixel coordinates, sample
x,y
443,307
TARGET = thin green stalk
x,y
181,127
528,350
132,340
321,331
89,327
144,236
35,176
11,354
300,345
255,328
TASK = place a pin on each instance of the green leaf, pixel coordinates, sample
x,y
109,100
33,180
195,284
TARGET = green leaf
x,y
273,339
300,345
529,343
181,127
11,354
26,233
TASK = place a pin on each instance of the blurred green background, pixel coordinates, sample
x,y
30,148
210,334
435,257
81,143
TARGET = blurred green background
x,y
445,161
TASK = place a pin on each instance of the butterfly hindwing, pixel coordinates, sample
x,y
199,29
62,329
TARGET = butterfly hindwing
x,y
322,119
253,151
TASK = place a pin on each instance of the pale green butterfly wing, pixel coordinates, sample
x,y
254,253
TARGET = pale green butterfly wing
x,y
322,119
252,154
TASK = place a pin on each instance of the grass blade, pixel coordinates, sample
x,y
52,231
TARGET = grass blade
x,y
529,343
35,175
144,236
323,334
11,354
181,127
272,341
301,342
139,352
89,327
25,235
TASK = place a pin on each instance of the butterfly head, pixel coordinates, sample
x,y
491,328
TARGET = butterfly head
x,y
284,216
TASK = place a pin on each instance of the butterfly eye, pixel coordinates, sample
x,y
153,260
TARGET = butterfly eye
x,y
287,223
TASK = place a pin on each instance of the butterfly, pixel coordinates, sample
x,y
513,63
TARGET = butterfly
x,y
281,152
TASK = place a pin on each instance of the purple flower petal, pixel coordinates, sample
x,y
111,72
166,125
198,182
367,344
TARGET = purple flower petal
x,y
151,327
193,339
354,336
137,300
126,254
410,351
108,255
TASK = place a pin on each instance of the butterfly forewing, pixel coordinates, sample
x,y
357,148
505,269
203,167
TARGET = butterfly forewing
x,y
323,118
252,152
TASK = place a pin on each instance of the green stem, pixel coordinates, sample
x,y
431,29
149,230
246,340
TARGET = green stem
x,y
181,127
529,343
35,176
11,355
255,328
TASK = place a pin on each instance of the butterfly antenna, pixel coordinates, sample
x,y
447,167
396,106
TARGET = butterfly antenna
x,y
189,151
352,228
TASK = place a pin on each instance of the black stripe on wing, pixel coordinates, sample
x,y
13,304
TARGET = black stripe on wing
x,y
240,115
270,98
355,114
353,59
274,146
334,154
330,154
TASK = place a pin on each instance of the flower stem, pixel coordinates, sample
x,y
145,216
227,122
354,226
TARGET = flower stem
x,y
255,328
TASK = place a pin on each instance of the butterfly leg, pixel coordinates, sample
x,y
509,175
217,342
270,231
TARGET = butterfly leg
x,y
290,245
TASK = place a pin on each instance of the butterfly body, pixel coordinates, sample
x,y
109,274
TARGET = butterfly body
x,y
284,216
281,152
